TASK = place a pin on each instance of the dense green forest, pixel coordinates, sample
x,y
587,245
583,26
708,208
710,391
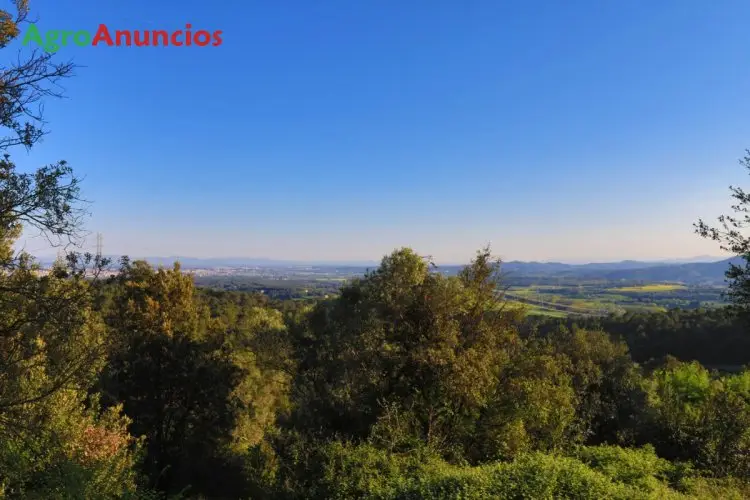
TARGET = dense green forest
x,y
407,383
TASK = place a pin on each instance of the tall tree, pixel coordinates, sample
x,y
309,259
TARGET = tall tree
x,y
49,339
55,444
175,381
405,347
732,237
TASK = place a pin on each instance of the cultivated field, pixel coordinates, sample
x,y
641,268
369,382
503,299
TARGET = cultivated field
x,y
602,298
655,287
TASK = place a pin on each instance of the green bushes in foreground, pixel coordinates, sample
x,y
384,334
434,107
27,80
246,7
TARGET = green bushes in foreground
x,y
591,473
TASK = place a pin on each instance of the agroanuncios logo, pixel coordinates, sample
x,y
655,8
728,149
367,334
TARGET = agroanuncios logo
x,y
53,40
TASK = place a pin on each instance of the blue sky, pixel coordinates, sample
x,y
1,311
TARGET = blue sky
x,y
340,129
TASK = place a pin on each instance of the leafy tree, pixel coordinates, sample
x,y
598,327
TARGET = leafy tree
x,y
51,340
25,83
175,382
697,417
732,238
257,341
407,341
607,384
47,336
78,453
533,408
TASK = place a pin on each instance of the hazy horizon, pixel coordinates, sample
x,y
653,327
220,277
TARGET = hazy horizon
x,y
47,256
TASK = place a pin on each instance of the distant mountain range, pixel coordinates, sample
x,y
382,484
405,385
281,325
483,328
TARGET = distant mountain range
x,y
691,272
700,270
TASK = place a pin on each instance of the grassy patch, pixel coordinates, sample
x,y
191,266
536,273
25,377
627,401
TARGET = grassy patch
x,y
650,288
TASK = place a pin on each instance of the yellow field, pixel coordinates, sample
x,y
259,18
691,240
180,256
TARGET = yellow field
x,y
656,287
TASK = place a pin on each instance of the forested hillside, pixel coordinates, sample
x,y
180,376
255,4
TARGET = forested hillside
x,y
409,383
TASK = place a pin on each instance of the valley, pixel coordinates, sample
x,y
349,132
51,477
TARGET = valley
x,y
548,289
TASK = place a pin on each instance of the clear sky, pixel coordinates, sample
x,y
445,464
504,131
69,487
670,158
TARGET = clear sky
x,y
341,129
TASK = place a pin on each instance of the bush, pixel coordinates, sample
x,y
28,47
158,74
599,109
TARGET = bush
x,y
640,468
694,416
534,475
363,471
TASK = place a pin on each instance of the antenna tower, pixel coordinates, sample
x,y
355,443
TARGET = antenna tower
x,y
99,244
